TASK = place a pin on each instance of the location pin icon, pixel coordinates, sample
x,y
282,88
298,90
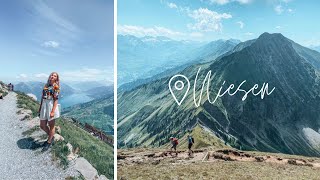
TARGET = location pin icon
x,y
179,86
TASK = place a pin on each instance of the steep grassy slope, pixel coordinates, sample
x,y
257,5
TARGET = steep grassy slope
x,y
97,152
148,115
97,113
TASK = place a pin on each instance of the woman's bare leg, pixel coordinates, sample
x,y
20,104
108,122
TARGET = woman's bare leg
x,y
52,130
44,126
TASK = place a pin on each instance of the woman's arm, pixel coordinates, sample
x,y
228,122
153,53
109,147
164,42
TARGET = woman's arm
x,y
55,103
55,100
40,104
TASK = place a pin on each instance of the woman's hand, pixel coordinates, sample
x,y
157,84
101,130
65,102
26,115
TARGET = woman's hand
x,y
51,114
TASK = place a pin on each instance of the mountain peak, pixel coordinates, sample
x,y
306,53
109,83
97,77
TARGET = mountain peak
x,y
267,35
236,41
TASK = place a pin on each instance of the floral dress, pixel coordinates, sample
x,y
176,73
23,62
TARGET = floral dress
x,y
50,93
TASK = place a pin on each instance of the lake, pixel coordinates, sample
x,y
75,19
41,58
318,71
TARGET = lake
x,y
74,99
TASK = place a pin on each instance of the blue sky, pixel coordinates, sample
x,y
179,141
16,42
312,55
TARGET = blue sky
x,y
207,20
73,37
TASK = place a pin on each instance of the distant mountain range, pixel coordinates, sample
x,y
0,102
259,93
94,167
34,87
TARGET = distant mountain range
x,y
287,121
317,48
33,87
98,113
93,89
142,58
86,85
100,92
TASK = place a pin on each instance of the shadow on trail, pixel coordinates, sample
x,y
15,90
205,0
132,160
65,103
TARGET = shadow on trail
x,y
29,143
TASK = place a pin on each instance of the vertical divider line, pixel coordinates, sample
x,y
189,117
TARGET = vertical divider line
x,y
115,84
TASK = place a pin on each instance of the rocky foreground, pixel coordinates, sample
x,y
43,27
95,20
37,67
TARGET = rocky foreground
x,y
22,140
217,164
18,158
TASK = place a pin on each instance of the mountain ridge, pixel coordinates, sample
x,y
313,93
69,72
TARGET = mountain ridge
x,y
272,58
161,54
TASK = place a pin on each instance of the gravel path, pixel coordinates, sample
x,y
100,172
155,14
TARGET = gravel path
x,y
16,160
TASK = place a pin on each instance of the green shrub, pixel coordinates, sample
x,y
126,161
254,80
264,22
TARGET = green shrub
x,y
26,102
97,152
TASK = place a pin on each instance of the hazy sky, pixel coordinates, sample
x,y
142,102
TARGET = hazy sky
x,y
72,37
206,20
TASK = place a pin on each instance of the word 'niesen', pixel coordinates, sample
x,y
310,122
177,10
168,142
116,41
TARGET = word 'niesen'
x,y
180,86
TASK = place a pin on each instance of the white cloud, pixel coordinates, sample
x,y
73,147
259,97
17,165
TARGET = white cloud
x,y
52,44
278,9
310,42
206,20
140,31
41,75
88,74
22,76
81,74
53,24
172,5
248,33
278,27
51,15
223,2
241,24
244,1
290,10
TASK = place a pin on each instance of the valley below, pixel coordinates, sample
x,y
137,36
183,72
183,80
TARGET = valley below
x,y
285,122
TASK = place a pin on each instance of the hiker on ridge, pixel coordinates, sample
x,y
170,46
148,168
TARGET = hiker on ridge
x,y
49,110
190,143
9,86
174,142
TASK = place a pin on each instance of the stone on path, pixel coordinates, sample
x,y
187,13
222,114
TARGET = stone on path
x,y
86,169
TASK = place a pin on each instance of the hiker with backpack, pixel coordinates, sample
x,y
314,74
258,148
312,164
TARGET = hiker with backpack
x,y
174,142
190,143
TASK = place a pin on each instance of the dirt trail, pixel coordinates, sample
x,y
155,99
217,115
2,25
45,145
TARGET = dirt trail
x,y
157,156
19,158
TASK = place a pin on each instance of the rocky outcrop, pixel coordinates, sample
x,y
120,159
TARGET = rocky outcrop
x,y
132,157
24,114
86,169
34,97
72,155
3,87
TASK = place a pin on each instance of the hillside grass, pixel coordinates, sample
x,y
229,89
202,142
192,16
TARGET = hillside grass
x,y
26,102
3,93
97,152
97,113
203,139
